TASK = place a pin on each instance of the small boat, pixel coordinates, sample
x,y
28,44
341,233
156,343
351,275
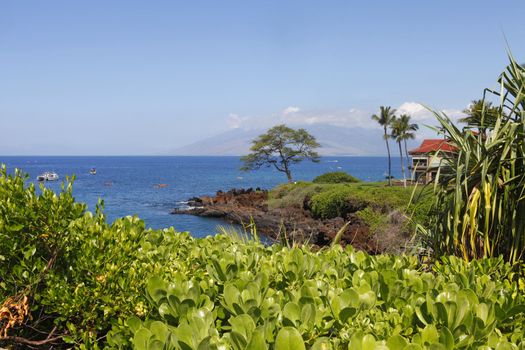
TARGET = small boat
x,y
93,171
47,176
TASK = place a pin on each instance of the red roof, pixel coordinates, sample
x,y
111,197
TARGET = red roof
x,y
433,145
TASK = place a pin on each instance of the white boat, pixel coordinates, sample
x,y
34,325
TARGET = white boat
x,y
47,176
93,171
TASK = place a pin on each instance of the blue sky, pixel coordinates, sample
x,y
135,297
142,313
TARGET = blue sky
x,y
144,77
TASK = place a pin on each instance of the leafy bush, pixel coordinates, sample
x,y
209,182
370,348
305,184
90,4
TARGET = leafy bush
x,y
335,177
332,203
63,267
232,295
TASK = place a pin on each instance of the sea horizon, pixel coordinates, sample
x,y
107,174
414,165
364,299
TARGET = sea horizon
x,y
129,184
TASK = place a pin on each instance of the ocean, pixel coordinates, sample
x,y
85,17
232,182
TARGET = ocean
x,y
130,185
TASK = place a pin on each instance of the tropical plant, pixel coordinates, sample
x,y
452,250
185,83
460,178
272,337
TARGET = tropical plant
x,y
481,115
335,177
385,118
403,130
409,130
480,202
281,147
396,133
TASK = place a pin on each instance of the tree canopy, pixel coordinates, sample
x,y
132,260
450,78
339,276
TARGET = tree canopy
x,y
281,147
481,114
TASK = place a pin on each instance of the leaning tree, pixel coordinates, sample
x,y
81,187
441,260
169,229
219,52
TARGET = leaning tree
x,y
281,147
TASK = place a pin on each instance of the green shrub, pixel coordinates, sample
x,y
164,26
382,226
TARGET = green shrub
x,y
335,177
77,272
247,296
292,195
375,219
333,203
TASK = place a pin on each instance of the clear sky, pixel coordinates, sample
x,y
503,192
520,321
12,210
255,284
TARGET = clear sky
x,y
145,77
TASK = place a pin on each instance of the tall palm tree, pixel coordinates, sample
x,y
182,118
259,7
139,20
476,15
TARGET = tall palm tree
x,y
398,129
385,117
408,133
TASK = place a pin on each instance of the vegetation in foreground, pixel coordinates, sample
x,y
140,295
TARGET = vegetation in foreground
x,y
480,202
67,277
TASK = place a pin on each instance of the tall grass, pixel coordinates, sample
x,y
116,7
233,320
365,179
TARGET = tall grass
x,y
480,198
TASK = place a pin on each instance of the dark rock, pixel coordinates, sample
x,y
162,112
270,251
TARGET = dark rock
x,y
241,206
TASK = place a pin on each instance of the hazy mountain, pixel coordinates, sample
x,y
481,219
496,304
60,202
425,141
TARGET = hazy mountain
x,y
335,140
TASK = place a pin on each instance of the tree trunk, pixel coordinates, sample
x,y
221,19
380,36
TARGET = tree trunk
x,y
407,158
389,160
287,170
289,176
402,164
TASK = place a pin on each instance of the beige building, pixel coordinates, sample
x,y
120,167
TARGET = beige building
x,y
427,159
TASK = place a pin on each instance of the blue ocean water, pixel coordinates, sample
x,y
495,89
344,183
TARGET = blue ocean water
x,y
128,184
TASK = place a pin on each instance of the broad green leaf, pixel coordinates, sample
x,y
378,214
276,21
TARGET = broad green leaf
x,y
396,342
289,338
322,344
257,341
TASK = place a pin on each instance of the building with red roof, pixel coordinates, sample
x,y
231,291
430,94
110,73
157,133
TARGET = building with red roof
x,y
428,158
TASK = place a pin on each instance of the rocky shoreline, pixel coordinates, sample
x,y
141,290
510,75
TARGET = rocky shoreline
x,y
241,206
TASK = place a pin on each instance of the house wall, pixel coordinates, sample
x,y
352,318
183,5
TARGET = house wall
x,y
420,166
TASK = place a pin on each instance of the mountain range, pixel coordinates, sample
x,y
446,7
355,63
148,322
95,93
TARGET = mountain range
x,y
334,140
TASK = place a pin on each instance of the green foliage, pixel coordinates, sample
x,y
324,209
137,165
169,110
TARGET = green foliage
x,y
373,218
79,273
333,200
333,203
281,147
480,207
385,118
293,195
158,289
244,295
335,177
481,114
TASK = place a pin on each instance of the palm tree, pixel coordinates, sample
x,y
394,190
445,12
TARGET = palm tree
x,y
385,118
481,114
397,127
408,132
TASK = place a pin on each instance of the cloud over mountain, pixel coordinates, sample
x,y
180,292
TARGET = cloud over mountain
x,y
340,132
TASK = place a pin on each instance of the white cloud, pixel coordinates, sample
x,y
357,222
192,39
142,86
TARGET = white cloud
x,y
417,111
235,121
421,114
350,118
291,110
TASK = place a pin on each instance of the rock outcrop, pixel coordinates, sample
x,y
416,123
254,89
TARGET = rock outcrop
x,y
241,206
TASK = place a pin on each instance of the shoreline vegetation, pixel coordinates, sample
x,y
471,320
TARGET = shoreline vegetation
x,y
372,217
68,278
